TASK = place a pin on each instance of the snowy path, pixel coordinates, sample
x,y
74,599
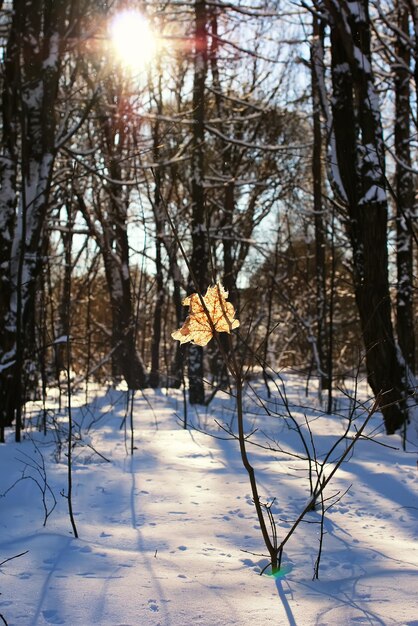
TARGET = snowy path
x,y
161,535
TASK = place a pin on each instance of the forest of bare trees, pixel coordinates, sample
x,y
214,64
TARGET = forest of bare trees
x,y
270,146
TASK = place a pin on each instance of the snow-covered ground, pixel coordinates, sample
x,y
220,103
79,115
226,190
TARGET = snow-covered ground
x,y
169,536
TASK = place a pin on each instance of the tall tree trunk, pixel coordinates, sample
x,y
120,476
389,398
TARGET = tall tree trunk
x,y
178,361
200,250
8,201
154,378
225,228
413,8
64,322
107,218
405,193
8,166
360,158
114,246
319,225
126,358
31,86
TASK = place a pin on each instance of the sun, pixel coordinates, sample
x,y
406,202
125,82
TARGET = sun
x,y
133,40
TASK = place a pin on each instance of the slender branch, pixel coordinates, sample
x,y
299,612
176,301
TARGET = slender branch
x,y
13,557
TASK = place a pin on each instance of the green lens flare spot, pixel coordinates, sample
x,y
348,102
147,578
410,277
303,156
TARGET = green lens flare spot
x,y
280,573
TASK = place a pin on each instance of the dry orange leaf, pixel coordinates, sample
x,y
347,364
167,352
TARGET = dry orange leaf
x,y
197,328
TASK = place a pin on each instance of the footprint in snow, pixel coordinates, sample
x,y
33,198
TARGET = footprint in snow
x,y
52,617
153,606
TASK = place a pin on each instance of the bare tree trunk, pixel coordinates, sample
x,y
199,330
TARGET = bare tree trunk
x,y
177,364
154,378
31,86
8,166
404,193
319,225
360,158
200,249
63,307
225,228
113,243
107,217
413,8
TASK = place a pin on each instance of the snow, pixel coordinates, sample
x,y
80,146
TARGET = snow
x,y
53,58
62,339
167,535
374,194
5,366
363,62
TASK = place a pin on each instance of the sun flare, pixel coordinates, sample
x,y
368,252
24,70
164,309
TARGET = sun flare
x,y
133,40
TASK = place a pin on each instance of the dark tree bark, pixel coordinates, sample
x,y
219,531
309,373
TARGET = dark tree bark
x,y
200,250
225,228
360,158
30,89
64,321
325,375
413,8
154,378
177,364
228,164
8,203
405,192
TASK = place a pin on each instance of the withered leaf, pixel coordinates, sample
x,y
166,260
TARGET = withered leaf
x,y
197,327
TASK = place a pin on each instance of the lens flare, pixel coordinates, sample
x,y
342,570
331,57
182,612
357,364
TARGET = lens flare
x,y
281,573
133,40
